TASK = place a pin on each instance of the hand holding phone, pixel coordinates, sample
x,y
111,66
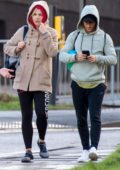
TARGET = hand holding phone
x,y
86,52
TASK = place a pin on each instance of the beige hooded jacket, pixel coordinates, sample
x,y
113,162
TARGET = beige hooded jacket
x,y
35,70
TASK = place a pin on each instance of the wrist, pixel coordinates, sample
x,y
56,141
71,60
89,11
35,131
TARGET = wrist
x,y
17,49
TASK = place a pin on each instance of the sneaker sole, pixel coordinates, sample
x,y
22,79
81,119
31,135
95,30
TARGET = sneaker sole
x,y
83,161
44,156
26,161
93,156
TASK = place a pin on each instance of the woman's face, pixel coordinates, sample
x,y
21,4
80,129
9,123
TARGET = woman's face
x,y
37,17
89,26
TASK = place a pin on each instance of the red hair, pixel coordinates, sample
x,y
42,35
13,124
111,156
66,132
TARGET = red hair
x,y
44,15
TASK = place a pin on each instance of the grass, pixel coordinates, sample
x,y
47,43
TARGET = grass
x,y
112,162
8,102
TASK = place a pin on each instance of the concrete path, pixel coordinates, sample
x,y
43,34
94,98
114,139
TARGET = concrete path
x,y
63,144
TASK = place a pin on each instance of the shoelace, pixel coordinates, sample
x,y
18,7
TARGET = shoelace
x,y
29,154
43,148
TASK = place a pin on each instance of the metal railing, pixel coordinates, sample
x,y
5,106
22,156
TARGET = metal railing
x,y
63,90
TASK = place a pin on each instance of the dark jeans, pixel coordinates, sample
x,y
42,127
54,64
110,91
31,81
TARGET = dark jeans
x,y
41,100
84,100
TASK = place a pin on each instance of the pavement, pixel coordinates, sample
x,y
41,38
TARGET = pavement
x,y
63,144
59,118
62,140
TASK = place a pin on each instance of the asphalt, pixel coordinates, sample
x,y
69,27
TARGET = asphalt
x,y
63,144
62,140
59,118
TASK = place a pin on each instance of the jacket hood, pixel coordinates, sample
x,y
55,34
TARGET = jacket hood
x,y
42,4
89,9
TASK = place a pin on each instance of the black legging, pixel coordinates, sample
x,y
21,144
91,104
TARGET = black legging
x,y
41,100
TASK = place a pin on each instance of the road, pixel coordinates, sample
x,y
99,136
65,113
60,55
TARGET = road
x,y
64,117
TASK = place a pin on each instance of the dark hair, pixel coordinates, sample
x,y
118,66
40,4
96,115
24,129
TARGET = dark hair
x,y
89,18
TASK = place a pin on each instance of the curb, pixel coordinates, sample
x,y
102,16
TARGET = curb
x,y
17,125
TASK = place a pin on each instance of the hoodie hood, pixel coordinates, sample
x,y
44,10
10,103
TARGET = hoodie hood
x,y
88,9
44,8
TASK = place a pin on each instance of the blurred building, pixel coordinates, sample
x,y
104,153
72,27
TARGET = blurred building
x,y
13,15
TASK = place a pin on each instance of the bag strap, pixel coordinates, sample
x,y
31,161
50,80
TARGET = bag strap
x,y
104,43
25,31
76,38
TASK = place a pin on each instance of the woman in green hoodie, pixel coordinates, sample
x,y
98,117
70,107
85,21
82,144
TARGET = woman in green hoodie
x,y
93,50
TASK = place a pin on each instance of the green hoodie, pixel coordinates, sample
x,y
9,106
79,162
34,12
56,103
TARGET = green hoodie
x,y
98,43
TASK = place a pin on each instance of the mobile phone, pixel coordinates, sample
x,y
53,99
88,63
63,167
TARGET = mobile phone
x,y
86,52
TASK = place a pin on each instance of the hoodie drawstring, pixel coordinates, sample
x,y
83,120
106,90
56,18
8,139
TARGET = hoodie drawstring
x,y
82,43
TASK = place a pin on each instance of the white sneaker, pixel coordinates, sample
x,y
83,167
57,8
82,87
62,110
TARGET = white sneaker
x,y
93,154
84,157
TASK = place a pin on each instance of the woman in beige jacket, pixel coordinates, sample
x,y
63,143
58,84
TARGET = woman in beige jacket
x,y
34,74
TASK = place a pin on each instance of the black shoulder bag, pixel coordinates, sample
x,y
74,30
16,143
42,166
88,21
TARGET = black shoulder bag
x,y
13,62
